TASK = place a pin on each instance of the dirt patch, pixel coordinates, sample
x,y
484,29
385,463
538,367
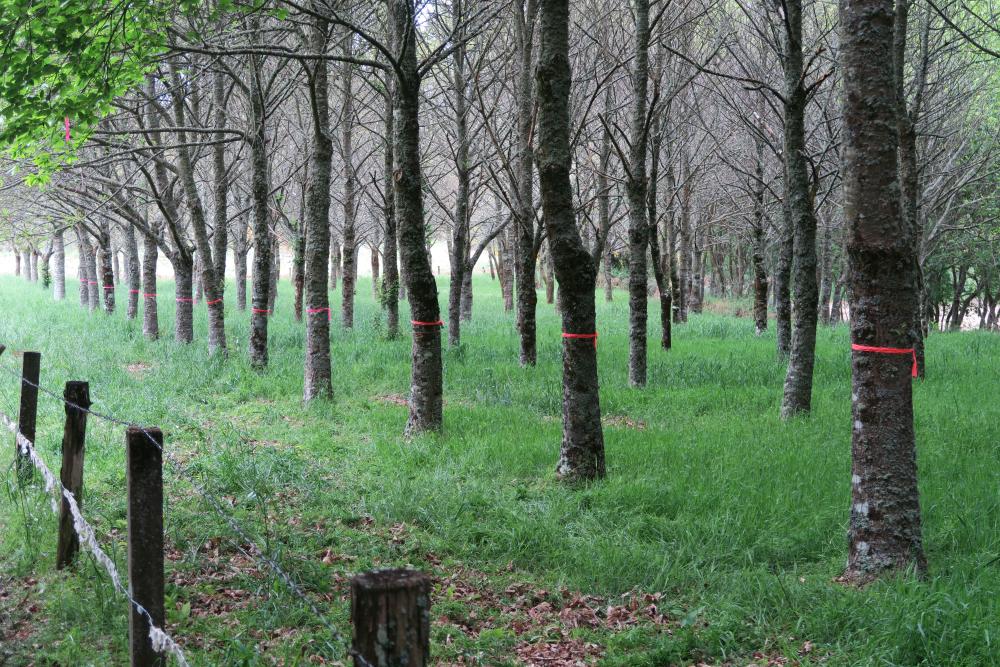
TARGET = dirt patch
x,y
18,613
393,399
622,421
564,652
138,369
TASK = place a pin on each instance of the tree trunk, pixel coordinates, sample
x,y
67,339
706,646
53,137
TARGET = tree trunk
x,y
799,379
334,259
582,453
260,309
134,280
467,294
909,171
199,287
460,234
299,270
275,275
241,249
662,286
826,283
684,242
758,230
505,268
390,284
783,282
524,215
150,315
350,277
837,303
183,265
884,532
208,282
318,374
426,381
696,276
220,180
45,269
59,271
636,188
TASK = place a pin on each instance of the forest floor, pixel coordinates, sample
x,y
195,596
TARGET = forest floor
x,y
716,538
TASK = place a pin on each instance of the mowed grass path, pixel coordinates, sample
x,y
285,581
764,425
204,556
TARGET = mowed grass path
x,y
737,518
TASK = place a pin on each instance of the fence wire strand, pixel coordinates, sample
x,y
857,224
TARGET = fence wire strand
x,y
161,641
254,553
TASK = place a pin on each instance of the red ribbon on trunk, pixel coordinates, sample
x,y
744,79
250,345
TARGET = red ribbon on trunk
x,y
888,350
212,303
583,336
314,311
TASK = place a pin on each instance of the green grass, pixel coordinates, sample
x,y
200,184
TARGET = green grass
x,y
738,519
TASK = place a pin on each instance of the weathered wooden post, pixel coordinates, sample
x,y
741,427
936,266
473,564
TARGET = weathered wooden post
x,y
28,414
390,611
77,397
144,476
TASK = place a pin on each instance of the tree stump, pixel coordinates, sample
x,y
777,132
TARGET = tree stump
x,y
390,612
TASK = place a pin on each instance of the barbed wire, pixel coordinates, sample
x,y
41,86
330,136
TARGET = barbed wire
x,y
161,641
255,553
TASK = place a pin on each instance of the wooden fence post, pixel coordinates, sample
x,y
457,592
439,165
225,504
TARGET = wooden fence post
x,y
77,397
390,611
28,414
144,461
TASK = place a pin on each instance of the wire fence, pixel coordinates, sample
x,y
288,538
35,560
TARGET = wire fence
x,y
160,640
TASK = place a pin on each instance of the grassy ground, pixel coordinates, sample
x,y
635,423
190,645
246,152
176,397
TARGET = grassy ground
x,y
715,538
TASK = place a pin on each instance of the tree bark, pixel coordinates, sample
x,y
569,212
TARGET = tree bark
x,y
460,234
334,258
59,271
318,375
636,188
426,379
206,276
241,249
909,172
134,280
884,532
798,192
582,453
662,285
684,240
350,276
299,267
150,315
260,308
390,283
524,216
183,265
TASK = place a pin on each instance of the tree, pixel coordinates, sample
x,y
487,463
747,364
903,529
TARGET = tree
x,y
582,453
884,533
